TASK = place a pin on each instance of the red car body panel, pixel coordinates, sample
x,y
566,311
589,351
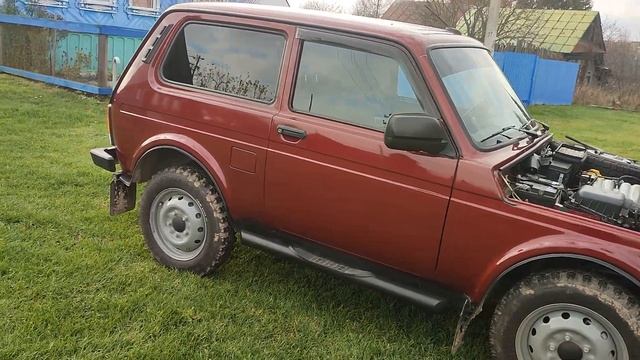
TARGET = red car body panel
x,y
441,218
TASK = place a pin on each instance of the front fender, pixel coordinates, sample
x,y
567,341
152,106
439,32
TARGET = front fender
x,y
484,237
618,257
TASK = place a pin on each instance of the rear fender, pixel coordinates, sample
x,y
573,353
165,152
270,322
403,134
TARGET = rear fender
x,y
191,149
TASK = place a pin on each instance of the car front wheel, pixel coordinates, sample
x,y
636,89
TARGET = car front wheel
x,y
566,315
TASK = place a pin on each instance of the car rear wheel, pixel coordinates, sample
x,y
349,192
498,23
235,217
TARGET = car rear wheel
x,y
566,315
184,221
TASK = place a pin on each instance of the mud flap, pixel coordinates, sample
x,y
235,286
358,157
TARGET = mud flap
x,y
469,312
122,197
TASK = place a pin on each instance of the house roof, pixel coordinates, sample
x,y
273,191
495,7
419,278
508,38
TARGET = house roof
x,y
561,31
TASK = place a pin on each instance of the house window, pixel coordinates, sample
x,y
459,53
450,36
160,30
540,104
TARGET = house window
x,y
56,3
98,5
149,7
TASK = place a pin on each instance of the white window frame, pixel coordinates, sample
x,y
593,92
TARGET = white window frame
x,y
98,5
53,3
141,10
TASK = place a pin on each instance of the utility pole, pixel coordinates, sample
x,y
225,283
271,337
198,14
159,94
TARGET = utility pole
x,y
491,32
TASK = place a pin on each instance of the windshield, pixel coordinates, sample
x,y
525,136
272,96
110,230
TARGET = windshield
x,y
488,106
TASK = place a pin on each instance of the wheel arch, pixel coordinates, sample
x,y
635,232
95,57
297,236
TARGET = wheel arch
x,y
157,154
160,157
553,261
518,271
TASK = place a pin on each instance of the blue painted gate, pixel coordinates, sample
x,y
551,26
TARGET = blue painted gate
x,y
537,80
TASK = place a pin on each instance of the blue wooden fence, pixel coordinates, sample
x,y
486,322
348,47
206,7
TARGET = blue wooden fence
x,y
537,80
70,45
77,38
72,54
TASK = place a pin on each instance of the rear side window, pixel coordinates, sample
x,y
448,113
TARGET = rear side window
x,y
238,62
352,86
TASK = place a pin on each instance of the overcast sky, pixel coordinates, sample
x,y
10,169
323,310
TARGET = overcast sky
x,y
625,12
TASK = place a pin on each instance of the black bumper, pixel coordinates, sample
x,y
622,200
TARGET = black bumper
x,y
105,158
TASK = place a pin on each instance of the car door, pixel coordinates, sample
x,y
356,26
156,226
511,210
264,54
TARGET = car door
x,y
211,91
330,178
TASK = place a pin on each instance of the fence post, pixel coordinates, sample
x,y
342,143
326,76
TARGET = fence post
x,y
1,42
534,76
102,60
53,45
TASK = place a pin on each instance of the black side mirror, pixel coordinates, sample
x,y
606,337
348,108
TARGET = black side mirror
x,y
416,132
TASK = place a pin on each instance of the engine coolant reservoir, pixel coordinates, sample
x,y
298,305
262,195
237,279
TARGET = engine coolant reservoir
x,y
609,197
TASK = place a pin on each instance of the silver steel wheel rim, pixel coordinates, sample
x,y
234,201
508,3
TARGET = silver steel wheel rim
x,y
178,223
566,332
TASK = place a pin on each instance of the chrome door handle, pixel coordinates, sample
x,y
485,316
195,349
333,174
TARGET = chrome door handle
x,y
291,132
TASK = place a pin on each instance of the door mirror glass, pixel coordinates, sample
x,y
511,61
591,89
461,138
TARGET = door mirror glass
x,y
416,132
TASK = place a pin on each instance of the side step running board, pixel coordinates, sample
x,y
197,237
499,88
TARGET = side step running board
x,y
436,299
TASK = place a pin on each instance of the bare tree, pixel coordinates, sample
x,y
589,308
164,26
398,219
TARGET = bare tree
x,y
623,59
622,56
444,13
612,31
517,28
322,5
371,8
211,76
620,90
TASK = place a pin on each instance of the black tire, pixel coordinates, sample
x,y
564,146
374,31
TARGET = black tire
x,y
217,246
594,292
611,167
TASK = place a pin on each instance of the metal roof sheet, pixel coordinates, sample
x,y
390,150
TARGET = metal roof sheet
x,y
554,30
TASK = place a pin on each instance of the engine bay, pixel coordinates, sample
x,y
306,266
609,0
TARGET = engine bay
x,y
581,179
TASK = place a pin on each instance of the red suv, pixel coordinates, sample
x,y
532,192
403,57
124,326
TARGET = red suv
x,y
394,155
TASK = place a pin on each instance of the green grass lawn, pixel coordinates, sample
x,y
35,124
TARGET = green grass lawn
x,y
76,283
614,131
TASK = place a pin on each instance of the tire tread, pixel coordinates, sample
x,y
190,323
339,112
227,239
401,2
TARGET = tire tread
x,y
610,293
225,235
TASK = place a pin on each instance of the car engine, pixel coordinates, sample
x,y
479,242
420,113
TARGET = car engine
x,y
580,179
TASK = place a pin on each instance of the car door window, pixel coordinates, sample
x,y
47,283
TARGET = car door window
x,y
352,86
238,62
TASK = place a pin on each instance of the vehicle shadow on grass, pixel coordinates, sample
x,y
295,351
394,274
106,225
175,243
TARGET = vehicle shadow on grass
x,y
320,310
387,320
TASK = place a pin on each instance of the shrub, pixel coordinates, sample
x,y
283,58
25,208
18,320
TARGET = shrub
x,y
626,98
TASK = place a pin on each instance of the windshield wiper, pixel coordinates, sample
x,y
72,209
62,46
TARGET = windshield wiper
x,y
530,132
513,127
500,132
529,122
